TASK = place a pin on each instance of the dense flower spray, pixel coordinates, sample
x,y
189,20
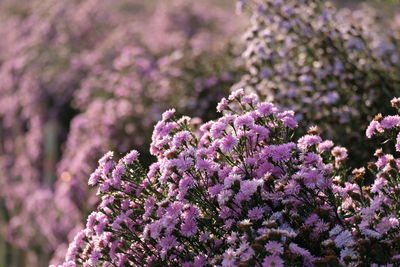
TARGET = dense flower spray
x,y
79,78
239,191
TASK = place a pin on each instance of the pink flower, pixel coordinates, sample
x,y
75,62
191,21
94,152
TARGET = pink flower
x,y
222,105
372,127
340,153
325,145
236,94
308,140
395,102
397,146
378,184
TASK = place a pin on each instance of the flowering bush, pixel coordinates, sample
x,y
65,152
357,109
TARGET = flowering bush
x,y
238,191
64,64
131,82
333,67
80,78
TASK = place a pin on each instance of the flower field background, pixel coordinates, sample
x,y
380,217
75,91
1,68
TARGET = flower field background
x,y
242,133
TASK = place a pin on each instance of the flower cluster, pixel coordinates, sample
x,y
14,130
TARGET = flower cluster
x,y
333,67
80,78
239,191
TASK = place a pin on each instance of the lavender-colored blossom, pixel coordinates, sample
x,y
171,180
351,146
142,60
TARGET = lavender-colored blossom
x,y
244,121
309,140
273,261
272,201
228,143
131,157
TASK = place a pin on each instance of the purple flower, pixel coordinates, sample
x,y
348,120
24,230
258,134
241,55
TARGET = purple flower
x,y
274,247
168,242
386,224
265,72
180,138
117,175
244,121
95,177
295,249
256,213
236,94
94,257
344,239
262,131
273,260
106,158
205,165
279,153
249,187
266,109
378,184
168,114
390,122
372,127
215,190
287,118
131,157
308,140
228,143
217,129
250,99
313,178
189,228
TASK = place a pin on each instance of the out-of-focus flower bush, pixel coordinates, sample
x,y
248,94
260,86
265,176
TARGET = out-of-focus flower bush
x,y
333,67
79,78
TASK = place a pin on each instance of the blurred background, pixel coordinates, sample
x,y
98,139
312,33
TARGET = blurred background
x,y
81,77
